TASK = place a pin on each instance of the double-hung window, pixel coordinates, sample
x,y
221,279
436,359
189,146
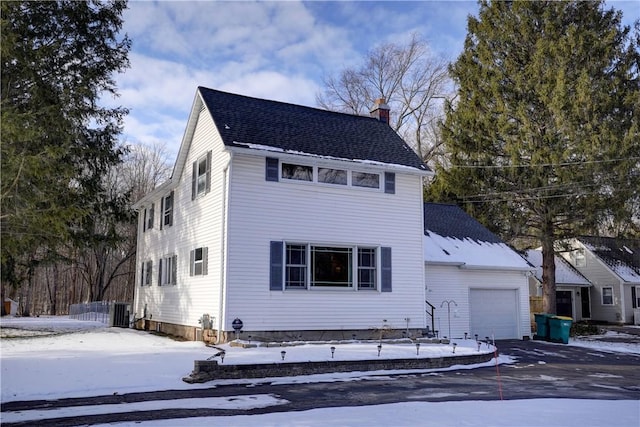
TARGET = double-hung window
x,y
147,220
167,210
579,259
296,267
607,295
198,262
167,270
145,273
201,176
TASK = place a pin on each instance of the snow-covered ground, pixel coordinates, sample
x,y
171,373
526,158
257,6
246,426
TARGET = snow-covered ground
x,y
56,357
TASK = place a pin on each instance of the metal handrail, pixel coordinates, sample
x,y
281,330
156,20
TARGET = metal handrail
x,y
433,320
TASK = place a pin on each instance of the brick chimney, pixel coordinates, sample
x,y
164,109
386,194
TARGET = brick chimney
x,y
381,110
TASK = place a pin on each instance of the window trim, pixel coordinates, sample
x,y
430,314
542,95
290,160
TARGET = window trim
x,y
197,176
146,273
167,270
274,172
166,219
203,262
148,218
281,263
603,296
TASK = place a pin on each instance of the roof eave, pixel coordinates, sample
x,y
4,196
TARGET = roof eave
x,y
265,150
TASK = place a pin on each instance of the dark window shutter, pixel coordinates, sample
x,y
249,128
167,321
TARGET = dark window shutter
x,y
192,258
160,272
144,220
205,261
634,300
149,272
194,180
275,282
385,255
174,272
161,212
271,169
142,275
173,208
390,182
151,214
208,187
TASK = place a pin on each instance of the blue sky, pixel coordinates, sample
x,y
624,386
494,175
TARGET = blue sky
x,y
275,50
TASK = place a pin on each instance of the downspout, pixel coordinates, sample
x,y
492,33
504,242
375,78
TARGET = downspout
x,y
223,249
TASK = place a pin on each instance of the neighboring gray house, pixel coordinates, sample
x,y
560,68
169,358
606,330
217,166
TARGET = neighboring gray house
x,y
300,222
613,267
572,288
473,275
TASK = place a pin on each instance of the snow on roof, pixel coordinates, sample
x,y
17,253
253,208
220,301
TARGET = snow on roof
x,y
452,236
565,273
469,253
622,256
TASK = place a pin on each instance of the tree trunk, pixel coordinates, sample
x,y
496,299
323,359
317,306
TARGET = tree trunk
x,y
548,275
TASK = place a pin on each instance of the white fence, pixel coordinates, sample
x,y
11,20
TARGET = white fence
x,y
109,313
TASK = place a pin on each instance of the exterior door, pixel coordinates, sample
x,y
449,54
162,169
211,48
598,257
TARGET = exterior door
x,y
586,303
564,307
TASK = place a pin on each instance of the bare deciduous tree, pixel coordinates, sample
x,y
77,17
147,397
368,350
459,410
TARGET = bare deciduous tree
x,y
412,80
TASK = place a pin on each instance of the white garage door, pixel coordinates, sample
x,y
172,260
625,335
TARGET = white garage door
x,y
494,312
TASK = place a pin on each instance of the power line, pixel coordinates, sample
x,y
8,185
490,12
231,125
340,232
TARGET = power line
x,y
540,165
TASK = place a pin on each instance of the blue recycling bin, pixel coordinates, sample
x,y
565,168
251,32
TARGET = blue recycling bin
x,y
542,326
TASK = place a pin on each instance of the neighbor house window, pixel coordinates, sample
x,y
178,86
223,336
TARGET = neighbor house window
x,y
579,259
365,179
308,266
635,296
147,222
145,273
198,262
607,296
168,267
201,176
167,210
297,172
332,176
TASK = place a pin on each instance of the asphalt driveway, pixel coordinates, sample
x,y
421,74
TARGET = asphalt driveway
x,y
540,370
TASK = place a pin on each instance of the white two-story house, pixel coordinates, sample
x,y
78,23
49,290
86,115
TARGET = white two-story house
x,y
289,221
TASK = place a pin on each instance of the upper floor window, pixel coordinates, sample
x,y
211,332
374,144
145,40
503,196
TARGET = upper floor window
x,y
167,210
297,172
201,176
147,220
275,170
332,176
579,258
364,179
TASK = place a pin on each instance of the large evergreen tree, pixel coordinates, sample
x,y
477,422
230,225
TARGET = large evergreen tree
x,y
58,141
544,137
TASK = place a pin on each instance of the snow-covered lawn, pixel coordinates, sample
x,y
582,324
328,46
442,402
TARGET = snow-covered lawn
x,y
56,357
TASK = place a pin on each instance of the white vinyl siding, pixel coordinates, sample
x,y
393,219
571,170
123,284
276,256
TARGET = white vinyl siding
x,y
196,225
446,283
262,211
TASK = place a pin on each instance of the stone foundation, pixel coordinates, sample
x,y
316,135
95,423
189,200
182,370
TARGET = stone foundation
x,y
209,370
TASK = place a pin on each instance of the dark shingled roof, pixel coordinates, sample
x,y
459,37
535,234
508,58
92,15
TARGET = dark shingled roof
x,y
294,128
615,252
452,221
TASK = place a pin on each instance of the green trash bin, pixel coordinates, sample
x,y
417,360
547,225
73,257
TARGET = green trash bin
x,y
542,326
560,328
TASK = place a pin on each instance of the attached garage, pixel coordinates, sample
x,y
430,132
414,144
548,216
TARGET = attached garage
x,y
477,283
494,313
